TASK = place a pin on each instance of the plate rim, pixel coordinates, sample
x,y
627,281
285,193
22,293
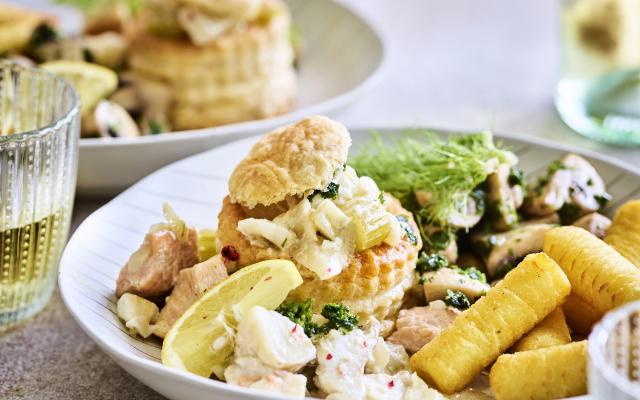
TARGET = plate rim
x,y
189,378
332,103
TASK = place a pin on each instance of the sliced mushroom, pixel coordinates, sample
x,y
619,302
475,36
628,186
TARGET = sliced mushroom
x,y
595,223
466,216
437,283
469,216
502,250
112,120
441,242
571,181
504,197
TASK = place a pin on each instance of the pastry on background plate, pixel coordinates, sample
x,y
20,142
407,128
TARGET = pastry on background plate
x,y
223,65
294,197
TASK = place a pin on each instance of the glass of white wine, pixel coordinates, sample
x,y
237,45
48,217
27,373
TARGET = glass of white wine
x,y
39,131
598,94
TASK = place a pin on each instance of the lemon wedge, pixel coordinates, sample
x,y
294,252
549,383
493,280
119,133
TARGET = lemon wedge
x,y
93,82
201,340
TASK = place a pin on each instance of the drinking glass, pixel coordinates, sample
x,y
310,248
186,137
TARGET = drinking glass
x,y
39,131
598,94
614,355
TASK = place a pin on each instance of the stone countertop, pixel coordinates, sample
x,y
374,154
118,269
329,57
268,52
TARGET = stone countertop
x,y
460,65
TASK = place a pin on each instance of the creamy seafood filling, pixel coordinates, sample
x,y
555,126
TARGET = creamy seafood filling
x,y
323,230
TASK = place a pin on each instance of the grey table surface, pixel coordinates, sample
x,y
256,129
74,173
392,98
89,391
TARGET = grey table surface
x,y
459,64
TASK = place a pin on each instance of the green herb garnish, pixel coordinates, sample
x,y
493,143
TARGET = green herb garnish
x,y
457,299
338,317
440,240
300,313
555,166
330,192
603,199
516,177
155,127
568,213
473,273
407,229
449,170
430,262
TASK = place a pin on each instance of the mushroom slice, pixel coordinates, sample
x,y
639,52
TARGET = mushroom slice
x,y
471,212
504,196
441,242
502,251
112,120
595,223
437,283
466,215
570,181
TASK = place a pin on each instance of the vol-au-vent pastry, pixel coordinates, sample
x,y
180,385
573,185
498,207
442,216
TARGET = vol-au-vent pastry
x,y
223,61
294,197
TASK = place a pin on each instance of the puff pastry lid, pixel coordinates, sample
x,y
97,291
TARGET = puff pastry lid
x,y
293,160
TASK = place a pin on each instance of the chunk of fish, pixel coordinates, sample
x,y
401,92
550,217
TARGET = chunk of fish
x,y
274,339
417,326
341,362
501,251
191,284
573,181
595,223
153,269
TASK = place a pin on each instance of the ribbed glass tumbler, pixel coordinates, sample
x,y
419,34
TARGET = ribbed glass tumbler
x,y
39,131
614,355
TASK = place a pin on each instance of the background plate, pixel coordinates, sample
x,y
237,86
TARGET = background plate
x,y
195,187
342,57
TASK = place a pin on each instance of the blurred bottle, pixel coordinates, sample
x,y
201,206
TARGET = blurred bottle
x,y
598,94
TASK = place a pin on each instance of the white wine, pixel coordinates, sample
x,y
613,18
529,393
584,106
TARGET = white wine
x,y
39,132
28,256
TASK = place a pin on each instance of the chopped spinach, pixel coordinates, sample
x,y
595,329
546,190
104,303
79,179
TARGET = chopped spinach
x,y
473,273
568,213
330,192
430,262
457,299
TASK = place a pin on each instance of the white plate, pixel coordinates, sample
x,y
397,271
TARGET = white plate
x,y
195,187
343,57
